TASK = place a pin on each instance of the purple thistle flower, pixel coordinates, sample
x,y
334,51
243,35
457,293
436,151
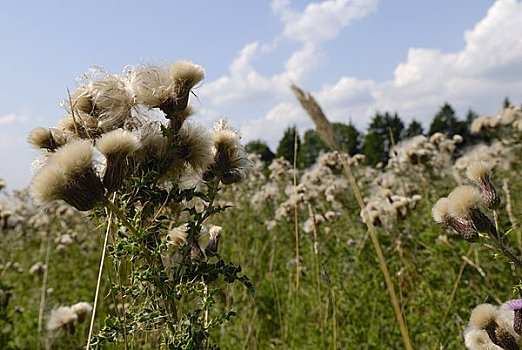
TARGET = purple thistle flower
x,y
515,304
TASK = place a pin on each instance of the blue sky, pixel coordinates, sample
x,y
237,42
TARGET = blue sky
x,y
356,56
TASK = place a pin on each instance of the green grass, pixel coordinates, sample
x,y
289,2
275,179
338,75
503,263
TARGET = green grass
x,y
348,310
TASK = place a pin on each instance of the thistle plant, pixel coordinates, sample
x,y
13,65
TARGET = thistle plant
x,y
464,210
128,154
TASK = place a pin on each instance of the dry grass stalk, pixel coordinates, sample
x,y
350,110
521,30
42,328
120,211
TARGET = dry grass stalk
x,y
325,132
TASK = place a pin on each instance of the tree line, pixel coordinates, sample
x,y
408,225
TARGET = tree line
x,y
384,130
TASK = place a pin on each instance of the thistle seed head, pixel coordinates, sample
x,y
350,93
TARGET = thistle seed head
x,y
69,175
463,199
118,143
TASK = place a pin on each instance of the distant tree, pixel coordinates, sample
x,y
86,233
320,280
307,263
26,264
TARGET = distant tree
x,y
446,122
260,147
286,145
373,149
311,147
384,129
347,135
485,136
506,103
414,129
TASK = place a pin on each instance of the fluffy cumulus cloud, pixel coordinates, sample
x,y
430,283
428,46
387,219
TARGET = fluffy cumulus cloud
x,y
12,118
321,20
484,70
479,75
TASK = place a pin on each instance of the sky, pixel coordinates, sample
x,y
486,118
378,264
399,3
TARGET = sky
x,y
357,57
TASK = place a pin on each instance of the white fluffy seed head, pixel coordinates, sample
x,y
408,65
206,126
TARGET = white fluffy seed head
x,y
40,138
150,84
47,184
478,339
195,146
482,315
81,100
109,92
188,73
463,199
64,315
61,168
75,157
81,309
440,210
177,237
478,171
119,143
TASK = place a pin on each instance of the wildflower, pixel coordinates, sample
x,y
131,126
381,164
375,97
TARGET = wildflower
x,y
69,175
215,235
81,309
150,84
38,268
516,307
116,146
62,317
184,75
479,173
193,145
46,138
110,101
464,203
483,331
463,227
177,237
231,163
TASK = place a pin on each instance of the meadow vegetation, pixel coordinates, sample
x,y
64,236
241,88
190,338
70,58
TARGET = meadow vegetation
x,y
210,247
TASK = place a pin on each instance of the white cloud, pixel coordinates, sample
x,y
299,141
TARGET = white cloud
x,y
244,84
271,126
480,75
321,20
12,118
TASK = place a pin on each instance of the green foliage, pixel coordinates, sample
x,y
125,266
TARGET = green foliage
x,y
261,148
414,129
288,144
446,122
384,130
347,135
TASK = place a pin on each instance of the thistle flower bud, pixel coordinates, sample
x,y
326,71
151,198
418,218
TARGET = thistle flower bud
x,y
46,138
184,75
194,146
177,237
516,306
482,321
479,173
62,317
215,235
463,227
464,203
116,146
81,309
69,175
231,163
150,84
